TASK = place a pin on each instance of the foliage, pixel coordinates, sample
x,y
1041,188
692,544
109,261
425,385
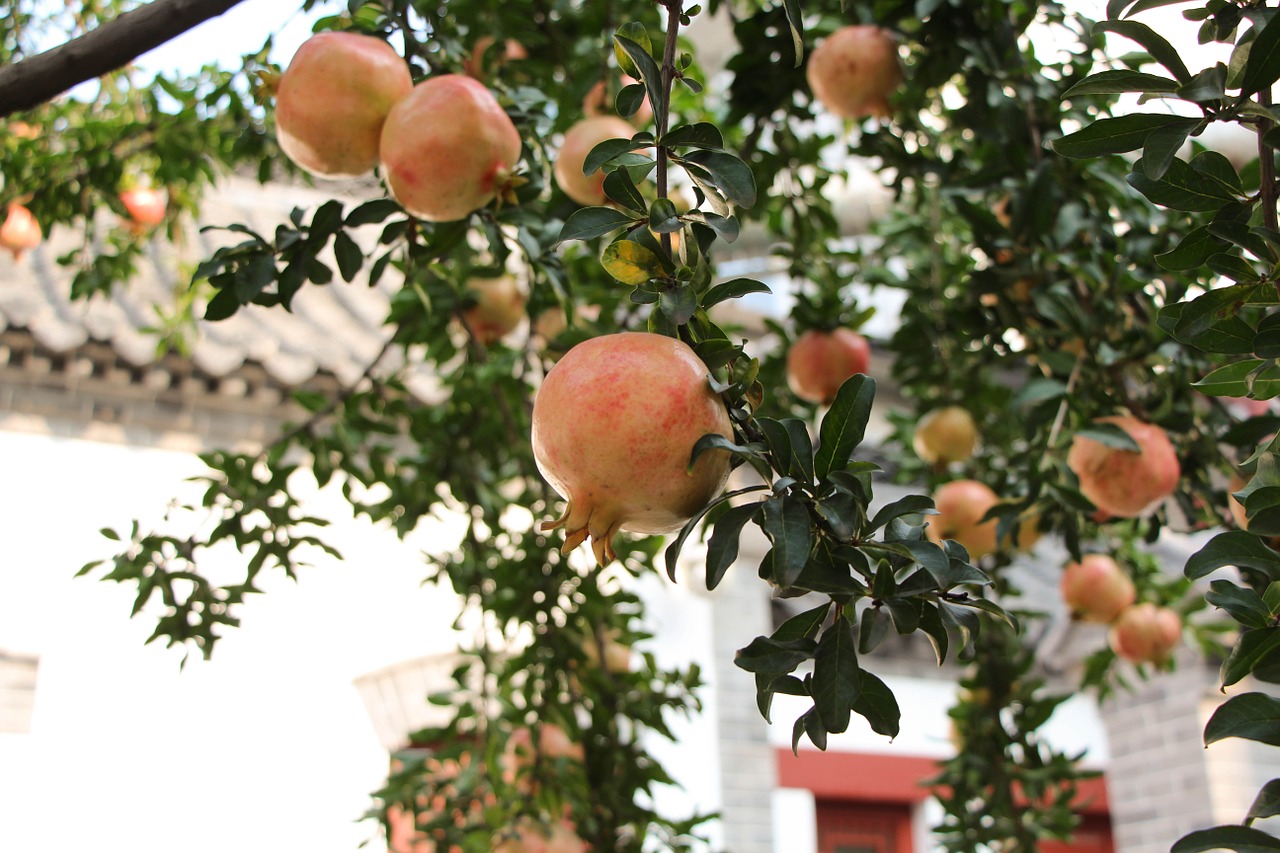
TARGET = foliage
x,y
1043,284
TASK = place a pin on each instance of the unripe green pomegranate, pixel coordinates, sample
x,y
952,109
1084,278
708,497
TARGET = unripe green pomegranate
x,y
614,425
448,148
333,99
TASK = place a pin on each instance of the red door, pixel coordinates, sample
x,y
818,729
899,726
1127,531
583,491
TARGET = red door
x,y
1093,835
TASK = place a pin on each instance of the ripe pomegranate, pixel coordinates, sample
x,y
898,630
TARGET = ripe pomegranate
x,y
1145,633
448,149
145,205
818,363
530,836
20,231
961,504
474,65
1121,482
498,310
945,435
597,102
614,425
578,141
332,101
1096,589
854,71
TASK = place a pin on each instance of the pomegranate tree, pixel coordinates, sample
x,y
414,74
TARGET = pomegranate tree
x,y
614,425
1145,633
498,310
578,142
448,148
1126,483
20,231
854,70
945,435
333,99
1096,589
819,362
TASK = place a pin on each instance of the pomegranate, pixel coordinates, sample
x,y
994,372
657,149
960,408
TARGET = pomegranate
x,y
854,70
20,231
961,504
1125,483
498,310
614,425
597,102
530,836
145,205
475,64
332,101
1145,633
1096,589
1238,513
818,363
578,142
449,148
945,435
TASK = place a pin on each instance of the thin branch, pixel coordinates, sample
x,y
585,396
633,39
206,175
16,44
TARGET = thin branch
x,y
43,77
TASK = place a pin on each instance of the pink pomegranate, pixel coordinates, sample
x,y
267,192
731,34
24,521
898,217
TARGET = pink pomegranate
x,y
1145,633
1125,483
476,64
20,231
332,101
449,148
498,310
614,425
145,205
854,70
818,363
945,435
529,836
1096,589
578,142
961,504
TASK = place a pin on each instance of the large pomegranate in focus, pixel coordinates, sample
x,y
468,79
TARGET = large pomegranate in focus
x,y
449,148
20,231
818,363
333,99
578,142
498,310
1096,589
945,435
1145,633
614,425
854,70
1123,483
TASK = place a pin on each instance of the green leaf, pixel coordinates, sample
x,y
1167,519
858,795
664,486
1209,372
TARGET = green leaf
x,y
1111,436
663,217
873,627
349,256
630,262
1253,716
1234,548
1233,267
1112,135
722,545
1267,803
373,211
1241,839
1206,86
732,176
786,522
699,135
1244,605
933,628
1161,147
620,187
587,223
1039,391
636,32
909,505
1181,188
672,555
629,99
1229,381
764,654
733,289
1156,45
606,151
1253,648
1220,307
876,703
1119,82
802,625
836,675
647,71
678,303
1263,65
325,221
1192,251
795,22
844,424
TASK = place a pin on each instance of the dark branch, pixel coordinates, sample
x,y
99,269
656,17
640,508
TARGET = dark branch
x,y
43,77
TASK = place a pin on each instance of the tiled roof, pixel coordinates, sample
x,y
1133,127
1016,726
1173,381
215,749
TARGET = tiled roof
x,y
335,329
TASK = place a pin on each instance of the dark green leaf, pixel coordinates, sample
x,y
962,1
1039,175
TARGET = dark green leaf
x,y
844,424
1229,381
647,70
591,222
1253,648
663,216
786,522
349,256
764,654
619,186
1118,82
722,545
873,627
878,705
1244,605
1112,135
1253,716
325,221
606,151
1234,548
836,676
1241,839
804,624
678,303
1161,147
731,175
699,135
1156,45
909,505
372,211
1263,65
1192,252
1181,188
1267,803
733,289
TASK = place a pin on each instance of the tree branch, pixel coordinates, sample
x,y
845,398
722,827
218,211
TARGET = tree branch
x,y
41,78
